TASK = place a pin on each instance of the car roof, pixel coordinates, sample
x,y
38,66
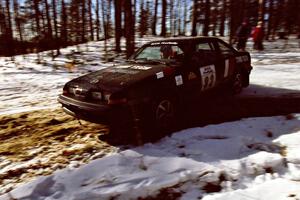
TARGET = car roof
x,y
184,39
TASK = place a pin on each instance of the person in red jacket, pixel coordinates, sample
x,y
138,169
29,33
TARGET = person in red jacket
x,y
258,36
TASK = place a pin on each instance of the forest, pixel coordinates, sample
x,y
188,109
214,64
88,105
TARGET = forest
x,y
28,26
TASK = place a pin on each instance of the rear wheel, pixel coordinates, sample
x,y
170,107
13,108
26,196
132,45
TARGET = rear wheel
x,y
237,83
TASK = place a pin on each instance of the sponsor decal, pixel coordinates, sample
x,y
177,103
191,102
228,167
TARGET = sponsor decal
x,y
138,67
178,80
192,76
123,71
123,67
162,43
93,81
159,75
241,59
208,76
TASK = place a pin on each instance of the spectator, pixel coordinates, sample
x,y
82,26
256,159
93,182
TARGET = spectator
x,y
242,35
258,36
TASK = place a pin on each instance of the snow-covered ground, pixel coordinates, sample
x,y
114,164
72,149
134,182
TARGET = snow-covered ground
x,y
254,158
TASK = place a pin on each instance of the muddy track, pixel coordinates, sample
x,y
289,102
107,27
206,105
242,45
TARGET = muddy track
x,y
40,142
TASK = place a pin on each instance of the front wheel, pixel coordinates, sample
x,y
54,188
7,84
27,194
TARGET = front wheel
x,y
164,112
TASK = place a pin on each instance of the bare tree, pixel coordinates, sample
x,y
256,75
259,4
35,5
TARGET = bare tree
x,y
163,18
9,33
64,19
223,18
97,20
91,20
55,18
49,24
37,15
185,16
118,28
55,27
195,18
83,20
270,18
207,18
171,22
18,20
153,27
129,28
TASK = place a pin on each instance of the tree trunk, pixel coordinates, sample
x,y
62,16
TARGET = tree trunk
x,y
55,18
49,25
207,18
154,18
91,20
17,20
129,28
223,18
37,15
98,20
9,34
108,18
142,17
118,28
104,23
233,19
83,21
185,17
179,17
57,44
278,18
270,20
171,18
3,24
163,18
195,18
64,19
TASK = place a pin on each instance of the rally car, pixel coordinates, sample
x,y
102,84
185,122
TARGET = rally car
x,y
148,89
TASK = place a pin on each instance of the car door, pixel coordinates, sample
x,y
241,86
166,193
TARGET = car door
x,y
226,60
205,60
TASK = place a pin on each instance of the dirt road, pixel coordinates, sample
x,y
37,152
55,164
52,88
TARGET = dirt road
x,y
40,142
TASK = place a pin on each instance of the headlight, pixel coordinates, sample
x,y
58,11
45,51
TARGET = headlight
x,y
106,96
97,95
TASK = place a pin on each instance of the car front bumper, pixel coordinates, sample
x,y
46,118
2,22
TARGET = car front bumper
x,y
97,113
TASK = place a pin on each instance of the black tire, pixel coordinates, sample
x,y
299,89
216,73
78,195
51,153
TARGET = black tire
x,y
164,114
237,83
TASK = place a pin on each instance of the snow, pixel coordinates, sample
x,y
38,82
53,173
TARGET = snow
x,y
248,160
234,160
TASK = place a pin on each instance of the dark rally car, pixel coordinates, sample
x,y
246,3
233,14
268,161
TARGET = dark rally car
x,y
148,88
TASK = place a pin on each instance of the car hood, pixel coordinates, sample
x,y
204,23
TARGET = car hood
x,y
119,76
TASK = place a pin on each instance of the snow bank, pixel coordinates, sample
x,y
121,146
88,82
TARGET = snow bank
x,y
230,156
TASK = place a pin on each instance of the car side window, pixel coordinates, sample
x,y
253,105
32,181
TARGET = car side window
x,y
225,50
205,53
205,46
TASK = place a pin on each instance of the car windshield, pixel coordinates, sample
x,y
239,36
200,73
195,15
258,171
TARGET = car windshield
x,y
160,53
